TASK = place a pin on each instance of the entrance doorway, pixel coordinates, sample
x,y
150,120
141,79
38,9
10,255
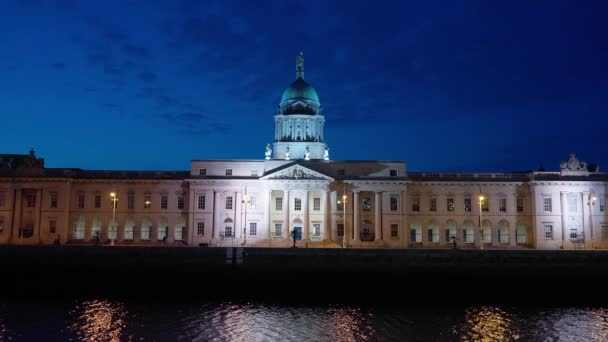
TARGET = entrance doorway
x,y
298,233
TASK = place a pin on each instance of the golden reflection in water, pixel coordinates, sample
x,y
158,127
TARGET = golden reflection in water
x,y
348,325
99,320
486,323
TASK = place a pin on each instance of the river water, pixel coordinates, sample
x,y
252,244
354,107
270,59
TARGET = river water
x,y
99,319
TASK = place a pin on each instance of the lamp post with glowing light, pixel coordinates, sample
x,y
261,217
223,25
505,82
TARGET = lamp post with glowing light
x,y
113,198
343,201
481,199
591,203
246,201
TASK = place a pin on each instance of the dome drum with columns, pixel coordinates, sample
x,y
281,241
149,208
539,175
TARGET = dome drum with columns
x,y
299,121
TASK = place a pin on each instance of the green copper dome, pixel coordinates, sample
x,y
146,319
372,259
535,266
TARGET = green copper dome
x,y
299,89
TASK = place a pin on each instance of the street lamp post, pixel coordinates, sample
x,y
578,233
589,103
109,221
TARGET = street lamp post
x,y
481,199
591,203
245,202
113,199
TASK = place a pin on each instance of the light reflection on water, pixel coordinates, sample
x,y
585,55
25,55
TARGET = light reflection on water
x,y
115,320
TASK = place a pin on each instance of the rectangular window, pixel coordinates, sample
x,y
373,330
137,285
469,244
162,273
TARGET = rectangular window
x,y
147,201
572,204
202,172
200,228
228,172
316,204
394,231
53,199
430,235
520,205
30,200
316,229
130,200
252,202
485,205
340,229
163,233
394,203
604,231
164,199
433,204
366,204
180,201
415,235
415,204
450,204
573,234
52,226
548,205
2,199
602,204
201,201
502,204
81,200
97,202
548,232
465,235
145,232
228,231
297,205
278,203
278,229
393,173
253,228
467,204
229,203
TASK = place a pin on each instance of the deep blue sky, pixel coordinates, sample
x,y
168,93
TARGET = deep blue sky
x,y
443,85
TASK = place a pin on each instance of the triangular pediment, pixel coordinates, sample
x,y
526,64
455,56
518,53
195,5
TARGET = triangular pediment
x,y
296,171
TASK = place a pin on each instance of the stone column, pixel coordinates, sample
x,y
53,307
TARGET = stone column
x,y
405,236
16,222
356,217
562,211
305,221
215,234
238,216
267,215
378,216
587,224
326,216
286,213
38,215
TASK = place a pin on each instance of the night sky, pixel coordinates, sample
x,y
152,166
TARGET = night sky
x,y
444,86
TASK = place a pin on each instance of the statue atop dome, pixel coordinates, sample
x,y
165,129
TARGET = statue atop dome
x,y
300,65
268,151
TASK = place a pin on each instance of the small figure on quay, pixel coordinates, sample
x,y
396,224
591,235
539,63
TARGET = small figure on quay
x,y
454,242
293,236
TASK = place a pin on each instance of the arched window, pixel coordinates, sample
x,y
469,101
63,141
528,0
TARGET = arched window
x,y
129,228
146,228
79,228
228,232
180,229
163,229
112,229
468,232
96,229
433,232
450,231
503,231
521,233
415,232
487,231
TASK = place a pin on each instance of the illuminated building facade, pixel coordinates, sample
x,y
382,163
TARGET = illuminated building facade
x,y
297,190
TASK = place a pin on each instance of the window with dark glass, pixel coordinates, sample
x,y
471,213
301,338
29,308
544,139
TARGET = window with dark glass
x,y
450,204
164,201
97,201
415,204
53,199
394,203
180,202
467,204
52,226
